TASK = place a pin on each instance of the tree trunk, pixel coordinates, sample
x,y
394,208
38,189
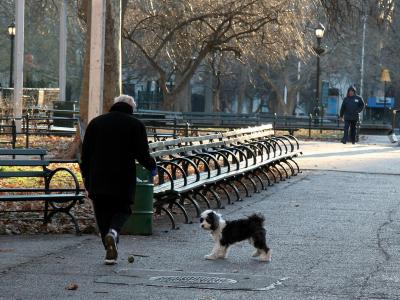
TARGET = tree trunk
x,y
243,80
216,93
251,104
112,54
183,99
291,101
216,101
240,100
279,108
178,100
168,101
84,98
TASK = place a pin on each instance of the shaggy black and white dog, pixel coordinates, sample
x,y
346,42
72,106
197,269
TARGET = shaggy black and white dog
x,y
226,233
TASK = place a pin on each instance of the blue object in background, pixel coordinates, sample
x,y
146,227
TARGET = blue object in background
x,y
380,102
332,109
331,105
330,99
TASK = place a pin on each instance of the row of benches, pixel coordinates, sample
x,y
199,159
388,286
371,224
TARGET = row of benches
x,y
33,126
202,168
190,169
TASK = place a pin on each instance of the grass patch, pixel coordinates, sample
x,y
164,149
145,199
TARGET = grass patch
x,y
325,135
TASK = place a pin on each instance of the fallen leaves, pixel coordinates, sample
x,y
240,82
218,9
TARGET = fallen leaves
x,y
72,287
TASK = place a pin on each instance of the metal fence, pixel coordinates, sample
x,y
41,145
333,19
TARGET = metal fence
x,y
162,125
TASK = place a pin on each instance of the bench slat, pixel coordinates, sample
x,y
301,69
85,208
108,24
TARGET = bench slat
x,y
47,197
23,152
38,190
22,174
27,163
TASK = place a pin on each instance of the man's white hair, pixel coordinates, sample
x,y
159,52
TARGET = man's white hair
x,y
126,99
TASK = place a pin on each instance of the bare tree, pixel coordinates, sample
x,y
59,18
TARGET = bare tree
x,y
349,52
285,75
342,59
176,36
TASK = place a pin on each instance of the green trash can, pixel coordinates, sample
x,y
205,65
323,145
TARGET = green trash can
x,y
141,220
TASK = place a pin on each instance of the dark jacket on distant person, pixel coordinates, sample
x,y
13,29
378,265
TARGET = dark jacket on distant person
x,y
352,106
111,144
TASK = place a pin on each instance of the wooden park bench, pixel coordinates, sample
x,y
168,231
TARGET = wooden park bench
x,y
193,169
31,163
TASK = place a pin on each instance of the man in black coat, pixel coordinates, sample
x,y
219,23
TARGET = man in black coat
x,y
112,143
351,107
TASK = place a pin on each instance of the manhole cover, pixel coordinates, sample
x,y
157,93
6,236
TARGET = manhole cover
x,y
198,280
192,279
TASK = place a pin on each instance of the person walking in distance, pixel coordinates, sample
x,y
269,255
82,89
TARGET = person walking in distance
x,y
112,143
351,107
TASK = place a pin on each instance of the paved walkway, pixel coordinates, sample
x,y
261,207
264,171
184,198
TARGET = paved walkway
x,y
334,231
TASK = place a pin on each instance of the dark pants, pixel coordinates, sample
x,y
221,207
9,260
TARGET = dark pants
x,y
349,124
110,213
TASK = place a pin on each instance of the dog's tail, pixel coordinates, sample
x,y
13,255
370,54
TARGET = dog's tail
x,y
257,219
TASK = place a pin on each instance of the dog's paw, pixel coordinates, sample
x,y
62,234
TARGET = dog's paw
x,y
266,256
256,253
210,257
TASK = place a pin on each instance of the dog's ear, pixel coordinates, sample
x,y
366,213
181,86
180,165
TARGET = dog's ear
x,y
214,220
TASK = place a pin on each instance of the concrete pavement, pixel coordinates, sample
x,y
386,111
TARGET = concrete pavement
x,y
334,231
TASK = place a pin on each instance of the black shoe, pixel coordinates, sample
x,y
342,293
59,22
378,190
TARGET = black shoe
x,y
343,142
111,249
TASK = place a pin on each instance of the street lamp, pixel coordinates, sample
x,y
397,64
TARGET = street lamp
x,y
319,34
385,77
11,33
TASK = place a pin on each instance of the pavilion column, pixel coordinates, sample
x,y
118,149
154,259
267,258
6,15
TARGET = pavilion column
x,y
96,69
19,62
62,77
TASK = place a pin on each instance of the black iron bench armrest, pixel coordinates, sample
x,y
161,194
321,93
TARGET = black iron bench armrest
x,y
163,163
60,169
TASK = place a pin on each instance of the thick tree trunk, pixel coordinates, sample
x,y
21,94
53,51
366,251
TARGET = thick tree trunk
x,y
243,80
251,104
168,101
216,101
216,93
291,101
112,54
240,101
178,100
84,98
183,99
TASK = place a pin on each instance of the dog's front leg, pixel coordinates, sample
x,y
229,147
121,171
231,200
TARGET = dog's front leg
x,y
256,253
215,251
222,251
265,256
